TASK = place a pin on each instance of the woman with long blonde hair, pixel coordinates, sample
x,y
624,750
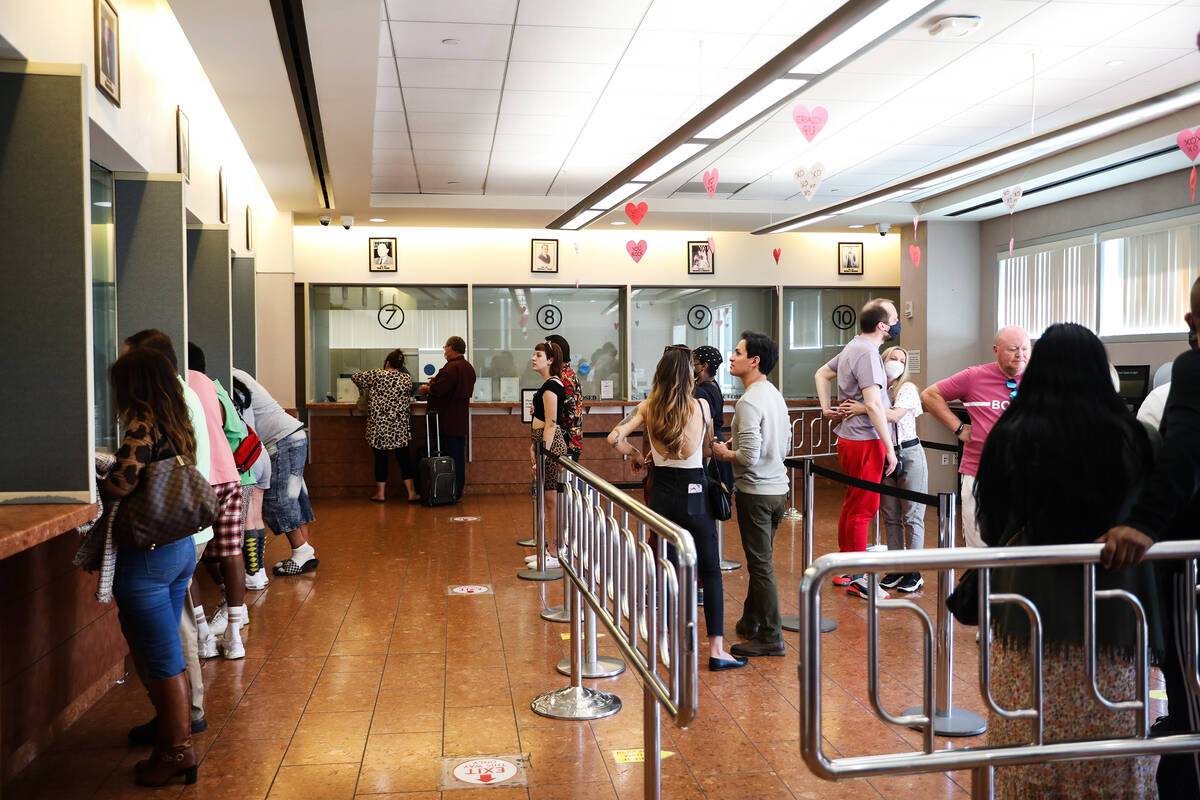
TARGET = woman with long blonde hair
x,y
679,436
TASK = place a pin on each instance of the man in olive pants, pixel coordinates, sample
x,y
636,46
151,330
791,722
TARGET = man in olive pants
x,y
761,437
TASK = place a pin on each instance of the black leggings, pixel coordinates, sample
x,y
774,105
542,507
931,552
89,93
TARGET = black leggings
x,y
670,495
403,458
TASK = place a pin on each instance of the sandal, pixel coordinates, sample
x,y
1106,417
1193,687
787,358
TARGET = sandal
x,y
289,567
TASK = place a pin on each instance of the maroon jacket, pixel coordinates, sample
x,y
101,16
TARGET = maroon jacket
x,y
450,396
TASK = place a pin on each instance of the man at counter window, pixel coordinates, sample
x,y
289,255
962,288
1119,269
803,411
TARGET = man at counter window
x,y
449,395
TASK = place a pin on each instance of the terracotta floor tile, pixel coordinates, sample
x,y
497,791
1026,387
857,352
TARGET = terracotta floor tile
x,y
355,663
414,670
562,755
315,782
329,738
480,730
231,770
401,762
345,691
760,785
408,711
476,686
287,676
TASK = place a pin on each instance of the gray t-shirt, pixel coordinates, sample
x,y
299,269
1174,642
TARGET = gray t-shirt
x,y
858,365
761,435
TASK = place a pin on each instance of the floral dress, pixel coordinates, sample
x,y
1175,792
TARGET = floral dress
x,y
389,422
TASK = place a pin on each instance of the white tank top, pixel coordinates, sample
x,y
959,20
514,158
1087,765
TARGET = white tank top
x,y
694,461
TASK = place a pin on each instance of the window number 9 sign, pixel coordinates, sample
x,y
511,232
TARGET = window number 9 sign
x,y
549,317
699,317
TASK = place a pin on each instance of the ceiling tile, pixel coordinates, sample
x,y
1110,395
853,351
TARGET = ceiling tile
x,y
461,101
518,181
451,141
1169,27
869,88
540,76
572,45
446,159
390,121
386,74
758,51
424,40
625,14
405,185
434,122
996,17
390,140
522,125
385,40
390,157
541,150
446,73
709,82
538,103
498,12
795,19
394,171
676,48
1049,94
710,16
388,98
1113,64
1070,24
911,58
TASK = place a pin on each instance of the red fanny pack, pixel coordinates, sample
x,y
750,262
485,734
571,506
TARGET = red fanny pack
x,y
248,451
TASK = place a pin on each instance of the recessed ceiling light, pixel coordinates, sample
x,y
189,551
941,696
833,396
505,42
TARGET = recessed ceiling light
x,y
854,226
377,219
450,42
103,203
1116,62
617,222
955,27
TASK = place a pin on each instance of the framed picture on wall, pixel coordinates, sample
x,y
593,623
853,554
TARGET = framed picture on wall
x,y
249,228
184,143
381,254
850,258
543,255
108,51
223,196
700,260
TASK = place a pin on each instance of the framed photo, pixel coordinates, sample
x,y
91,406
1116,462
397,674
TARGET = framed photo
x,y
223,196
184,142
108,51
249,228
382,254
850,258
543,255
700,261
527,396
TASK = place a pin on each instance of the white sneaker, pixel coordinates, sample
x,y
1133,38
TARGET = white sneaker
x,y
231,643
859,588
219,619
208,646
258,581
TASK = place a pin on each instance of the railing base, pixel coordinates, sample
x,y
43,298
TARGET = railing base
x,y
602,667
793,515
556,614
791,622
576,703
528,542
535,575
728,565
959,722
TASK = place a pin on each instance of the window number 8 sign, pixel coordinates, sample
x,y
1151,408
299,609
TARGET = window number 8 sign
x,y
699,317
549,317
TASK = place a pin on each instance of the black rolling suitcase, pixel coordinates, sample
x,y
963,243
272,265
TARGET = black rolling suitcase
x,y
435,473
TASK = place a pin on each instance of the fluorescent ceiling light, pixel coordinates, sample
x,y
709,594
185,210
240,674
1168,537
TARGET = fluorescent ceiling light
x,y
855,226
670,161
874,201
859,35
377,219
804,223
748,109
620,194
584,218
103,203
617,222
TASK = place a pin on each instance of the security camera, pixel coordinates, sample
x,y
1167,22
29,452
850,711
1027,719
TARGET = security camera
x,y
347,222
883,228
325,220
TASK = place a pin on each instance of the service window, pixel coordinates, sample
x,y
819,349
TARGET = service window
x,y
817,324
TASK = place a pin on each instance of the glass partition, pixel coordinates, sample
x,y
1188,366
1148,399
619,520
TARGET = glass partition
x,y
817,324
353,328
691,316
509,321
104,306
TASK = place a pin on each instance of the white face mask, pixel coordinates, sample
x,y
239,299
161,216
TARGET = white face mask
x,y
893,369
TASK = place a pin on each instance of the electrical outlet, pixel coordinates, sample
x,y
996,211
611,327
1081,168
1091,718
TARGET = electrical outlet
x,y
945,459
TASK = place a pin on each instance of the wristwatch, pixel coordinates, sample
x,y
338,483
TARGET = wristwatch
x,y
960,429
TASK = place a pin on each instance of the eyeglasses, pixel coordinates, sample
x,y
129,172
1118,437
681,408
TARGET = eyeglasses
x,y
1011,385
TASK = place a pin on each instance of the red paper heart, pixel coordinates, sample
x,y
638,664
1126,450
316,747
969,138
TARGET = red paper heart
x,y
636,213
636,249
776,252
710,181
914,253
811,122
1189,142
712,246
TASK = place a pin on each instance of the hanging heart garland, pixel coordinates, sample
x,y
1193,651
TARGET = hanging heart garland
x,y
809,179
710,181
914,253
1189,142
777,252
636,212
636,249
1011,197
809,122
712,246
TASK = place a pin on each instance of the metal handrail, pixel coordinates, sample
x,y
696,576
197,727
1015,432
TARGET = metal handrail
x,y
982,760
614,551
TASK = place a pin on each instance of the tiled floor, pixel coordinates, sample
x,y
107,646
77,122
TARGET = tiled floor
x,y
360,678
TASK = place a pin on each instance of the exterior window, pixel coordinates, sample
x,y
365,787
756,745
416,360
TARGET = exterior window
x,y
1147,277
1042,285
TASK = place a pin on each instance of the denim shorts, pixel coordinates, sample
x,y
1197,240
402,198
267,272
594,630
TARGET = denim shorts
x,y
285,504
149,586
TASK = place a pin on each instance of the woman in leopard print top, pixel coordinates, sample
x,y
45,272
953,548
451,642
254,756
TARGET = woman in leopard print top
x,y
389,421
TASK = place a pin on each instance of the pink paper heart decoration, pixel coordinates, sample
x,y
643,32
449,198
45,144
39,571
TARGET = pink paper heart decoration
x,y
809,179
914,253
636,213
776,252
636,249
710,181
915,222
1012,197
1010,247
577,283
712,246
810,123
1189,143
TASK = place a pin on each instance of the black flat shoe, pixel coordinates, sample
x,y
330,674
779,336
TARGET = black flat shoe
x,y
722,664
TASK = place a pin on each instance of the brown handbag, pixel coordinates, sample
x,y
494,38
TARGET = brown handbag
x,y
170,501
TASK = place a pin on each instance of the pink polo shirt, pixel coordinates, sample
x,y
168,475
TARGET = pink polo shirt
x,y
223,469
983,391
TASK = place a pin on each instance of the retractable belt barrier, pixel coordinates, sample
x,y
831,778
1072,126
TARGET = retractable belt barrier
x,y
983,760
614,553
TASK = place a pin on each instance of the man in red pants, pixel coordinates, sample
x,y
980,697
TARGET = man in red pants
x,y
864,441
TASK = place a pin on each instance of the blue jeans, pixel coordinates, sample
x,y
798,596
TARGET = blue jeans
x,y
149,586
285,503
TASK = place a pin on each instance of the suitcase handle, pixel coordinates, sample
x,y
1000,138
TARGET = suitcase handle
x,y
434,416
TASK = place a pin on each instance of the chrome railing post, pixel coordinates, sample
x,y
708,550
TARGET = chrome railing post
x,y
727,564
792,622
539,572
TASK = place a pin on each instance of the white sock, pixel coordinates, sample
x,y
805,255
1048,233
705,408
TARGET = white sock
x,y
202,631
236,615
303,553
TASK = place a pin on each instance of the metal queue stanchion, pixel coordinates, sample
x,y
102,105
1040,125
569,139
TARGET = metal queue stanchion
x,y
531,541
645,601
791,622
793,514
983,760
539,571
594,665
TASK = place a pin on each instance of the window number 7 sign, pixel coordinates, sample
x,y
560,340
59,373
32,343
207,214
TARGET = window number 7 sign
x,y
390,316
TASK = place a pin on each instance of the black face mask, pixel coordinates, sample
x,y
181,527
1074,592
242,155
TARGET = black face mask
x,y
1192,340
894,331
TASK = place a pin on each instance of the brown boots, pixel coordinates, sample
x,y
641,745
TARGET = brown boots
x,y
173,754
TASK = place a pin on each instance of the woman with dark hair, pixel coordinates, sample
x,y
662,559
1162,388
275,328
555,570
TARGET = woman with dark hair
x,y
389,421
549,416
1060,467
149,585
679,435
